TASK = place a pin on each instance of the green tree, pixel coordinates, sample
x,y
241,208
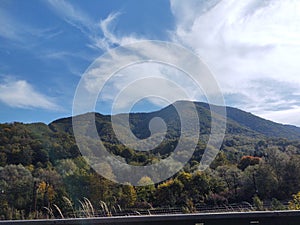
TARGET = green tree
x,y
168,193
17,184
220,160
145,190
231,175
200,185
258,204
266,181
289,179
101,189
277,205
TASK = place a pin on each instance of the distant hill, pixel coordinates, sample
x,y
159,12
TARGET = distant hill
x,y
238,122
246,134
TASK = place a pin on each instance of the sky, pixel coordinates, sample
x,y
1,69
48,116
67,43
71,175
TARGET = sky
x,y
252,47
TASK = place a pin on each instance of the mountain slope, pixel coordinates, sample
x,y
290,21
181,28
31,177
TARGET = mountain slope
x,y
263,126
238,122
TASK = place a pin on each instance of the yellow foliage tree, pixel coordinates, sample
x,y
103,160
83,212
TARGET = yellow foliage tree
x,y
294,204
129,195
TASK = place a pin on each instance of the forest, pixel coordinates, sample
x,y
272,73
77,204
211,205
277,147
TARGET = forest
x,y
44,175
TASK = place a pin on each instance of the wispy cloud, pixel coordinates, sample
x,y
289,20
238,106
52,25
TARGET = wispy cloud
x,y
8,27
21,33
21,94
151,81
72,15
109,38
100,33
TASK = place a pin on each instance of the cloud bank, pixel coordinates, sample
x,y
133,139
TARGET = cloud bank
x,y
252,47
20,94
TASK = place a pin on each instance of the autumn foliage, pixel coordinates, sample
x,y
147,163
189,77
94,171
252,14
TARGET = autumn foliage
x,y
248,161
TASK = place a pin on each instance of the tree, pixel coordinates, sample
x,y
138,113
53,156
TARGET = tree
x,y
46,193
231,176
289,180
287,171
187,191
66,167
128,196
266,181
168,193
248,161
18,185
200,186
145,189
248,183
277,205
277,160
258,204
100,189
49,188
220,160
294,204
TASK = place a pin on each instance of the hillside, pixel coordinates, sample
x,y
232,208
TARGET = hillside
x,y
40,165
238,122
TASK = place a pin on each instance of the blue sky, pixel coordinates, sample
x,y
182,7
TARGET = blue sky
x,y
251,46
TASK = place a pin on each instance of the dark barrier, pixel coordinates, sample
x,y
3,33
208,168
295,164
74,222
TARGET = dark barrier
x,y
238,218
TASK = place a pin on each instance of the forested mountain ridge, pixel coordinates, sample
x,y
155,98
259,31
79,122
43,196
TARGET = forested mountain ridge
x,y
238,121
40,165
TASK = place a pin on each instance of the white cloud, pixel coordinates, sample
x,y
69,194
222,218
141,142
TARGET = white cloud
x,y
20,94
248,45
21,32
151,81
288,116
8,27
100,32
110,39
72,15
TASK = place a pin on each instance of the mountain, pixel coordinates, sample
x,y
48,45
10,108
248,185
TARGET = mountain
x,y
246,134
260,125
238,122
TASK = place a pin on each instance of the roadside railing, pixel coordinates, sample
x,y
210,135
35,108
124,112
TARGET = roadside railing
x,y
224,218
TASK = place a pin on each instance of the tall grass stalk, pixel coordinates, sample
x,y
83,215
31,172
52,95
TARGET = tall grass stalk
x,y
89,206
70,204
59,211
105,208
50,212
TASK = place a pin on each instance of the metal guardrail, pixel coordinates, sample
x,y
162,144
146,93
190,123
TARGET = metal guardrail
x,y
238,218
